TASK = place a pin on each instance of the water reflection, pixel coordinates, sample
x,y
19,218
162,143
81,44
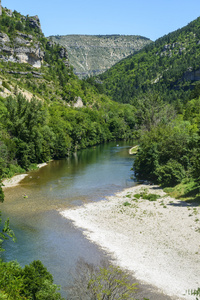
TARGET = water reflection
x,y
41,232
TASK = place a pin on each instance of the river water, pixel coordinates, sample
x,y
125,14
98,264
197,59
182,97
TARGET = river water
x,y
90,175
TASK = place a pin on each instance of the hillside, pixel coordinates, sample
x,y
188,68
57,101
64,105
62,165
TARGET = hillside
x,y
46,112
169,66
94,54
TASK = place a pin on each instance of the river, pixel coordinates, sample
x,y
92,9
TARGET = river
x,y
89,175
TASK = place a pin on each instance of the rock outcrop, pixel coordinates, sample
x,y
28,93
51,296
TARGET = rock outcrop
x,y
35,22
23,51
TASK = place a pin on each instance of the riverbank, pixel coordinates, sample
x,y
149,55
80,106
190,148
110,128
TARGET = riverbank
x,y
15,180
158,241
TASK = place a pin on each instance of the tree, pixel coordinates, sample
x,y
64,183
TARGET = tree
x,y
103,282
33,282
38,283
166,153
5,232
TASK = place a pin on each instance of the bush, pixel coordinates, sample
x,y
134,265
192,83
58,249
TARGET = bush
x,y
144,195
126,203
32,282
5,84
150,197
171,173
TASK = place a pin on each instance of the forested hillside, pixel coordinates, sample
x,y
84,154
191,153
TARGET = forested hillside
x,y
46,111
162,81
170,66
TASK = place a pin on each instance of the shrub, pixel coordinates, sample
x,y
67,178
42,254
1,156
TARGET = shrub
x,y
150,197
5,84
126,203
171,173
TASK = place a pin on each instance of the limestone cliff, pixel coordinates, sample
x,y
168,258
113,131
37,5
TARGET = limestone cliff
x,y
15,44
94,54
21,49
22,40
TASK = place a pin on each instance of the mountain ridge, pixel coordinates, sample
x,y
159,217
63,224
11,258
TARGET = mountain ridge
x,y
93,54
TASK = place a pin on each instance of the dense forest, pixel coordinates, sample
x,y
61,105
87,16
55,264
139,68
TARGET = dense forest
x,y
166,66
162,82
155,101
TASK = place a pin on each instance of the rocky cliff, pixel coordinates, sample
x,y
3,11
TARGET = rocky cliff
x,y
94,54
22,40
17,46
21,49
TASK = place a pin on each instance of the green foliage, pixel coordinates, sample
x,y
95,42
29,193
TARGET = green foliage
x,y
171,173
166,152
144,195
101,282
35,132
32,282
150,197
5,84
105,282
163,67
11,283
38,283
16,22
126,203
195,293
5,232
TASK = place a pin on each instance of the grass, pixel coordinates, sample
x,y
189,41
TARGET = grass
x,y
126,203
144,195
188,191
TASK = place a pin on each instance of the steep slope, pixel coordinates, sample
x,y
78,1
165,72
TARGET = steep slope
x,y
94,54
46,112
169,66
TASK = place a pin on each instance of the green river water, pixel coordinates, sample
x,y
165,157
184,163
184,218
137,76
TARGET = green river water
x,y
89,175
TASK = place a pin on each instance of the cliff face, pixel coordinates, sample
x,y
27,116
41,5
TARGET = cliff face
x,y
22,40
92,55
17,46
21,49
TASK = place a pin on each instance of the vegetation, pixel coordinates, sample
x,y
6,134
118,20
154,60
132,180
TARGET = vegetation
x,y
38,120
168,153
159,92
144,195
164,66
102,282
162,82
33,282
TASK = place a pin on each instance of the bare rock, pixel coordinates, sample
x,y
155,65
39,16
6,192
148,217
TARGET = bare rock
x,y
4,38
35,22
78,103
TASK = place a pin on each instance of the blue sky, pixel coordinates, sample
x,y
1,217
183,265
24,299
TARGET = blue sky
x,y
149,18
